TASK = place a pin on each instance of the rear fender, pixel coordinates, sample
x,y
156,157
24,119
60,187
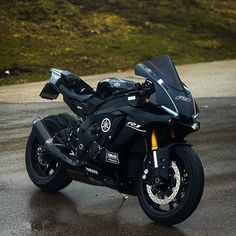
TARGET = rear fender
x,y
66,120
60,121
49,91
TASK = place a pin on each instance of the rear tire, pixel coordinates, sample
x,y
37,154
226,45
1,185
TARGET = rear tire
x,y
190,183
43,170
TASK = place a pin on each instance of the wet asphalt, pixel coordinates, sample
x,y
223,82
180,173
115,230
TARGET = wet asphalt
x,y
81,209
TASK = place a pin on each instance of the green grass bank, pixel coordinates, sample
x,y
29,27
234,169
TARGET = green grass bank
x,y
89,37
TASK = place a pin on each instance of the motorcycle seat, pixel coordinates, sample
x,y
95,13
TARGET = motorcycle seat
x,y
71,93
73,87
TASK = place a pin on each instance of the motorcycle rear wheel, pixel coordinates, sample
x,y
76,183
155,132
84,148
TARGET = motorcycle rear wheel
x,y
186,189
43,170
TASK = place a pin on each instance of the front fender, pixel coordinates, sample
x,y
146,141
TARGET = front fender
x,y
163,157
137,157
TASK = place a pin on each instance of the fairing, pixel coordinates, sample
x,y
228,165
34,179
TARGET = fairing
x,y
170,92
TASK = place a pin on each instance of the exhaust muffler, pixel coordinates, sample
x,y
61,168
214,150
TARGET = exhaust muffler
x,y
50,147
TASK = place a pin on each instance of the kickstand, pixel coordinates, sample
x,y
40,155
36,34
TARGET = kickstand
x,y
125,197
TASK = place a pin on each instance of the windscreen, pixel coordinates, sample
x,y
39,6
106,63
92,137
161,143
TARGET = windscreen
x,y
169,90
164,68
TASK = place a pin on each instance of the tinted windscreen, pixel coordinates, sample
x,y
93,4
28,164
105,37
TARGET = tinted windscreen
x,y
164,68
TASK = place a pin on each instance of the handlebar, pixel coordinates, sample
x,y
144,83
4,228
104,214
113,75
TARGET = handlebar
x,y
144,89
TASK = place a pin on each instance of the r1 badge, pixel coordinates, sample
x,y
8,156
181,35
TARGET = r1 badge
x,y
112,157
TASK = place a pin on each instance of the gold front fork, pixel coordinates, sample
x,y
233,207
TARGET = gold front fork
x,y
154,143
154,140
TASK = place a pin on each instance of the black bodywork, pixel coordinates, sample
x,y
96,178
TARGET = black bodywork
x,y
109,141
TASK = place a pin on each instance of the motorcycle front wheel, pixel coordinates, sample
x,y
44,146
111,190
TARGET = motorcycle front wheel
x,y
175,201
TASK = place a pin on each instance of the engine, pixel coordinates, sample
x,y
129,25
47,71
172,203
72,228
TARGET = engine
x,y
80,142
90,138
90,142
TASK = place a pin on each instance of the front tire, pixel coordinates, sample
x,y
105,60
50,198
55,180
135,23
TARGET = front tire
x,y
43,170
186,188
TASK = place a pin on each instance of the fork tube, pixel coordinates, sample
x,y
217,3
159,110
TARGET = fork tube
x,y
154,147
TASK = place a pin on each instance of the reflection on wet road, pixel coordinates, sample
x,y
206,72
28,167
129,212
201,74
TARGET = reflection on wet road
x,y
87,210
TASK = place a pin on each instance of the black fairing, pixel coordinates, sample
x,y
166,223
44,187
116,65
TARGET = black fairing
x,y
170,92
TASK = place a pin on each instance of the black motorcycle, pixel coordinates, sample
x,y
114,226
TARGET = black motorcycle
x,y
126,136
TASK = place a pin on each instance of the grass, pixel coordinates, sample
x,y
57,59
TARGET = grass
x,y
90,37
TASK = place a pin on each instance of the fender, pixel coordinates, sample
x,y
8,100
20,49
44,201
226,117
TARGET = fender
x,y
62,120
66,120
163,157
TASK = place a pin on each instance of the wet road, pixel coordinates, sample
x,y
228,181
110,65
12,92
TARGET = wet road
x,y
86,210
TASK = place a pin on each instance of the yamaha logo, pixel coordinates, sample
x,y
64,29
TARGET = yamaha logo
x,y
117,84
105,125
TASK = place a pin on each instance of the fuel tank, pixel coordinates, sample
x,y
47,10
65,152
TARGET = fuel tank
x,y
106,87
